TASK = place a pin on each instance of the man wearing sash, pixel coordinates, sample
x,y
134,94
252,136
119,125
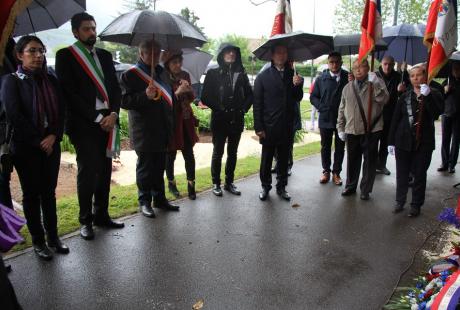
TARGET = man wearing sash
x,y
150,107
361,133
93,97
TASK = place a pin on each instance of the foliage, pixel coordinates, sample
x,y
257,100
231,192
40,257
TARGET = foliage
x,y
203,117
130,5
66,145
191,17
124,130
120,52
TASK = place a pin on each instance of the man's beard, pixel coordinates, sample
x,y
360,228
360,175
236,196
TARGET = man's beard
x,y
90,41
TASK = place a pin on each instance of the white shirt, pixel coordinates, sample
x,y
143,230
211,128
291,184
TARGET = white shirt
x,y
336,75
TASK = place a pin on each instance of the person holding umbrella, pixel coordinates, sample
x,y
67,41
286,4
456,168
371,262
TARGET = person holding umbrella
x,y
93,96
227,92
150,109
360,124
184,136
276,92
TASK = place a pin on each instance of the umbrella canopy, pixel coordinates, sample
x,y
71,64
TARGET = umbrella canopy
x,y
46,14
445,71
348,44
170,30
301,46
405,43
195,63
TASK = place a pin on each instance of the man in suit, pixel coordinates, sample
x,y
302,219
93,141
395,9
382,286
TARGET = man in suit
x,y
93,97
150,113
276,92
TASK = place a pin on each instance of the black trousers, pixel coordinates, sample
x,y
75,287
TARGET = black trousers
x,y
8,296
38,174
150,170
417,164
326,144
383,145
268,151
361,148
189,159
218,140
450,141
5,192
94,176
290,154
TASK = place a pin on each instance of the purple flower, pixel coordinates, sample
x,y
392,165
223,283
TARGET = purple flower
x,y
448,215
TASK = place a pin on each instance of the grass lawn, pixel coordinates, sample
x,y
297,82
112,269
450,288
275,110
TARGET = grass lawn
x,y
123,199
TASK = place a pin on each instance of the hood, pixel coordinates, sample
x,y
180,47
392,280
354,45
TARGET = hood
x,y
220,55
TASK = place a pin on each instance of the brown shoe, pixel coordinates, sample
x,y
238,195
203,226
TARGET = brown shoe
x,y
336,179
325,177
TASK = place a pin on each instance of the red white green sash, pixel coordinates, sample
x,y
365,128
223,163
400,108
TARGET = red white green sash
x,y
148,80
90,67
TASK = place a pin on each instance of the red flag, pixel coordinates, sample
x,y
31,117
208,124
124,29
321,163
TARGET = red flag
x,y
283,18
440,34
9,9
371,27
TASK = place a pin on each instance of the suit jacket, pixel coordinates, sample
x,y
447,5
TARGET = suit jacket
x,y
80,91
274,105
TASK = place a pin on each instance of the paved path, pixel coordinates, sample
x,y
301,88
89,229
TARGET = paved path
x,y
241,253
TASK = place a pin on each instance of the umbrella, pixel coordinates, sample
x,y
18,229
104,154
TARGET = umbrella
x,y
405,43
46,14
301,46
169,30
195,63
348,44
445,71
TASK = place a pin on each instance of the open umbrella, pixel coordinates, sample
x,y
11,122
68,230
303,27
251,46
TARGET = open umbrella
x,y
301,46
348,44
170,30
405,43
195,63
445,71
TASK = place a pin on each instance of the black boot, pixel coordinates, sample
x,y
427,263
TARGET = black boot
x,y
173,188
43,251
191,190
55,243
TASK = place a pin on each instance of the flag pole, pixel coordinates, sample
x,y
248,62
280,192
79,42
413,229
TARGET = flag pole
x,y
371,88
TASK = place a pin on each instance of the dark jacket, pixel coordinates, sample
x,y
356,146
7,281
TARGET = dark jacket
x,y
9,65
227,92
392,81
452,98
326,97
274,105
402,134
80,92
17,95
150,122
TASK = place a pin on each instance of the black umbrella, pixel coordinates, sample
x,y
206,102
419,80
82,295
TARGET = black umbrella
x,y
301,46
445,71
348,44
46,14
169,30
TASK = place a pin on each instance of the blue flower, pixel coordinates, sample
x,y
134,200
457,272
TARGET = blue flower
x,y
448,215
422,306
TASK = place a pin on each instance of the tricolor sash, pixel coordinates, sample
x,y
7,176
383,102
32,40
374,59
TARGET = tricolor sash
x,y
448,297
87,62
148,80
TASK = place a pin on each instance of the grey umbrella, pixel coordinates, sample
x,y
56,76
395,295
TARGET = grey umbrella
x,y
445,71
195,63
348,44
46,14
170,30
301,46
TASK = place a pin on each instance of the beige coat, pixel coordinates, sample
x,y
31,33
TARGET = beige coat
x,y
349,119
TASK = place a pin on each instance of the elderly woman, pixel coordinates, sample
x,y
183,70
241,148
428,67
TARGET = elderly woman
x,y
411,138
184,136
35,111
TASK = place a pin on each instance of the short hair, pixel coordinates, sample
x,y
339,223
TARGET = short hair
x,y
146,45
79,18
388,57
335,54
363,62
23,41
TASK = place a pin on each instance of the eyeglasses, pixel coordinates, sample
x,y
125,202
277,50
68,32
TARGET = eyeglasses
x,y
33,50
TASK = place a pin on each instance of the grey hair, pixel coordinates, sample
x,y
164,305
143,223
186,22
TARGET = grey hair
x,y
390,58
147,45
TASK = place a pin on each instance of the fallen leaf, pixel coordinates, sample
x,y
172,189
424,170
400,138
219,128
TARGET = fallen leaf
x,y
198,305
296,205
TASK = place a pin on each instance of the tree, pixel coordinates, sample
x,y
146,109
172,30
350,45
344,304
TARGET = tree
x,y
139,4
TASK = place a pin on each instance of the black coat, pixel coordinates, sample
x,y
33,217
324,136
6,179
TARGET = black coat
x,y
274,105
17,95
402,135
326,96
392,81
80,92
150,122
452,98
228,103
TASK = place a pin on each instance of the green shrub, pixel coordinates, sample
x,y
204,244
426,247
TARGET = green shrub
x,y
203,117
249,120
124,131
66,145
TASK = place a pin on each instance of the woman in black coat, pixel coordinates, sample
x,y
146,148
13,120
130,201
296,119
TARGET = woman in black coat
x,y
35,111
411,138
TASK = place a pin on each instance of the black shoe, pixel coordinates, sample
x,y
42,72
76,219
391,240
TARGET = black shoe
x,y
399,207
216,190
283,194
108,223
385,171
348,192
191,190
414,212
57,245
87,232
263,195
451,170
43,251
173,189
147,210
165,205
8,268
442,168
230,187
364,196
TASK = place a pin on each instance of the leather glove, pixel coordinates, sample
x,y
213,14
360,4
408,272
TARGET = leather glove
x,y
391,150
342,136
425,90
